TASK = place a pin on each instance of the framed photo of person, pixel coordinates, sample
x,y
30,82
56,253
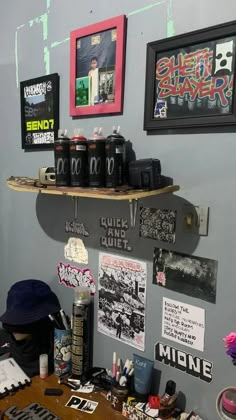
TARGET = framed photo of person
x,y
97,61
39,112
190,81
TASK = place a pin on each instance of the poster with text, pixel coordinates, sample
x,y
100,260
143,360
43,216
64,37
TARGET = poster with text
x,y
40,111
122,297
187,274
183,323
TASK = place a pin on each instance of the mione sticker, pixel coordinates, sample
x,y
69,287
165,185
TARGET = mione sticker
x,y
186,362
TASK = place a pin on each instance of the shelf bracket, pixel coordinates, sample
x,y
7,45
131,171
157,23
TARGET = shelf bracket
x,y
76,200
133,205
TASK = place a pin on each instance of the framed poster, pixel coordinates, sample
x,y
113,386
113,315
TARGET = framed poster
x,y
190,80
39,111
97,57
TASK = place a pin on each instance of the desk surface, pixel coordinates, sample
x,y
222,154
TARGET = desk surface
x,y
56,405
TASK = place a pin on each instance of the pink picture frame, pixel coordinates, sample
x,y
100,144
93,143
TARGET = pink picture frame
x,y
97,63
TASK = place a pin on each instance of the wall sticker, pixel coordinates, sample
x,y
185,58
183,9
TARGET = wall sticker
x,y
76,228
33,411
75,250
158,224
115,233
81,404
183,323
72,276
187,274
192,365
122,297
39,111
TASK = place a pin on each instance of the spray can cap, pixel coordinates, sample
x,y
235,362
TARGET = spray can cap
x,y
97,134
62,132
82,294
115,135
78,134
116,130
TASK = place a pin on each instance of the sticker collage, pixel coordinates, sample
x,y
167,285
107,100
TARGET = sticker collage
x,y
122,282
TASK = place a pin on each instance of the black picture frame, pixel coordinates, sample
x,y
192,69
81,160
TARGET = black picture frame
x,y
39,112
192,92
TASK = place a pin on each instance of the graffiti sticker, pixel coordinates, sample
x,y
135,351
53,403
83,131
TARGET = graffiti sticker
x,y
72,276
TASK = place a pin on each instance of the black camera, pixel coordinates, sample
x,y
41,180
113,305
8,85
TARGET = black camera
x,y
145,174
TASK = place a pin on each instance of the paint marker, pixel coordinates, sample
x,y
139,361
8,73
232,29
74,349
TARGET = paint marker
x,y
123,381
74,381
118,366
131,372
129,367
127,362
55,322
114,365
64,320
117,376
69,384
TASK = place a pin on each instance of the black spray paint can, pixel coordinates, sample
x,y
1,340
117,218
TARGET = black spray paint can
x,y
115,159
78,160
61,155
81,331
96,159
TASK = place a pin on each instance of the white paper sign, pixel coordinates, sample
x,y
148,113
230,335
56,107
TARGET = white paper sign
x,y
183,323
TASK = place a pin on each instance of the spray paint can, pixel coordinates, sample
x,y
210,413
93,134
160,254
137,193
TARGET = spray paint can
x,y
96,159
115,159
61,155
81,331
78,159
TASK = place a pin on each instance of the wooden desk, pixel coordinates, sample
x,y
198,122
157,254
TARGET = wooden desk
x,y
56,405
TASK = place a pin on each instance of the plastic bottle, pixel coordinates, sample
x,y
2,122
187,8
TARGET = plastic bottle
x,y
43,366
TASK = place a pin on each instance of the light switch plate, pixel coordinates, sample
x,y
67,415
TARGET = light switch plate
x,y
196,219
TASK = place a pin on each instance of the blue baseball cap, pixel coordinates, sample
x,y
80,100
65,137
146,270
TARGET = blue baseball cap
x,y
29,301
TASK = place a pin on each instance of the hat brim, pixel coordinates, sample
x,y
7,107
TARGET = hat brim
x,y
14,318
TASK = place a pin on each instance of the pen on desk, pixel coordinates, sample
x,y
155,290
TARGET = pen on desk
x,y
55,322
64,320
74,381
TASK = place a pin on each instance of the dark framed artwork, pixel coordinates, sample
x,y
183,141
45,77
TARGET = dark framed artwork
x,y
188,274
190,80
39,111
97,58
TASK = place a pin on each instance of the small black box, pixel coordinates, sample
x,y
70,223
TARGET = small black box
x,y
145,174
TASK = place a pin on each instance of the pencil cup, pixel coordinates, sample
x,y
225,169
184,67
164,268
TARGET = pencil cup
x,y
119,394
62,351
